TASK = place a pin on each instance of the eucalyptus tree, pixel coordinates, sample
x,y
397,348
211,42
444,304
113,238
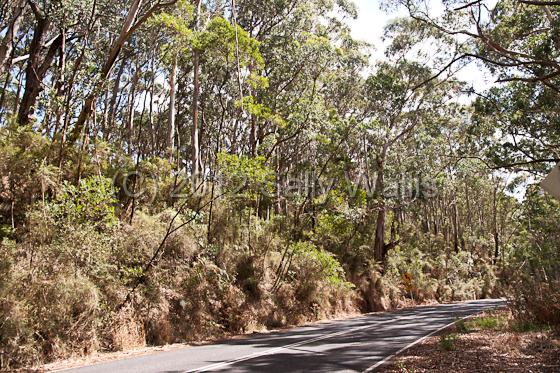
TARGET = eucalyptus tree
x,y
398,102
13,17
137,13
526,117
517,41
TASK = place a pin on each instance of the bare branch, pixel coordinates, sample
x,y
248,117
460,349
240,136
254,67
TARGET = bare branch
x,y
540,3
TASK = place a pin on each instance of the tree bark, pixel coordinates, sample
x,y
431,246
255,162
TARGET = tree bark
x,y
195,155
172,110
131,105
6,46
113,103
116,48
379,241
60,87
495,226
37,68
194,133
455,227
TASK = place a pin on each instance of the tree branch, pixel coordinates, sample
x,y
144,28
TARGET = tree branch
x,y
540,3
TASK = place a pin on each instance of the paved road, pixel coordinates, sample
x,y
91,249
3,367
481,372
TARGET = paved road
x,y
355,345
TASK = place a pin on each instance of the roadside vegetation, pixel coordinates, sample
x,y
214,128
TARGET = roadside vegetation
x,y
175,171
493,342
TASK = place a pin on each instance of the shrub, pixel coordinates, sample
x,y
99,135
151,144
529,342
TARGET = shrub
x,y
447,341
488,322
537,302
461,326
207,303
64,313
535,280
91,202
318,280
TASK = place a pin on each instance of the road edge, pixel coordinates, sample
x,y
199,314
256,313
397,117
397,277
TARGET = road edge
x,y
418,341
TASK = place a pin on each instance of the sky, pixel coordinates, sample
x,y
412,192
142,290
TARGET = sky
x,y
369,27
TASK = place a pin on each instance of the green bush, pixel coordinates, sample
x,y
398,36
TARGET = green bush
x,y
488,322
447,341
91,202
461,326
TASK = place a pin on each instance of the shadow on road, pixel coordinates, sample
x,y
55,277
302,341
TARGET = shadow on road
x,y
383,335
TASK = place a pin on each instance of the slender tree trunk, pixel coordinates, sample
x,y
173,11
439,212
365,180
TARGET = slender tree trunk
x,y
151,114
253,137
116,48
68,114
195,126
59,106
131,111
379,241
4,109
455,227
18,90
6,46
195,137
113,104
495,227
278,182
36,69
172,110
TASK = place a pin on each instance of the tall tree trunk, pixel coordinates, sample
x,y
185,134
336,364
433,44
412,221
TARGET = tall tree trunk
x,y
60,87
468,201
253,140
13,27
172,110
194,133
113,104
19,85
455,227
131,112
195,137
4,109
37,68
153,141
379,241
495,226
116,48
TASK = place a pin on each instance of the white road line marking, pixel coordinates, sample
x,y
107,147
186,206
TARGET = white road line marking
x,y
377,365
276,349
254,355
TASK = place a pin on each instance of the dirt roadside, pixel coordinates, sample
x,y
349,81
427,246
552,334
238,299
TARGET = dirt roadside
x,y
492,342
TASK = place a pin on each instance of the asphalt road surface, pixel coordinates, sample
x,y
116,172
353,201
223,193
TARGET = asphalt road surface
x,y
354,345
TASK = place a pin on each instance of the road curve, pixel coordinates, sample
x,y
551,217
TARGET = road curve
x,y
354,345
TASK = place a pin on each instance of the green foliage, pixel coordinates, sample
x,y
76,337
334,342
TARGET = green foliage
x,y
179,22
402,366
489,322
22,153
536,259
402,210
461,326
262,111
521,326
221,39
91,201
326,265
245,174
447,341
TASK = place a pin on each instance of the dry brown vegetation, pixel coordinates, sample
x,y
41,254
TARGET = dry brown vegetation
x,y
494,342
176,171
